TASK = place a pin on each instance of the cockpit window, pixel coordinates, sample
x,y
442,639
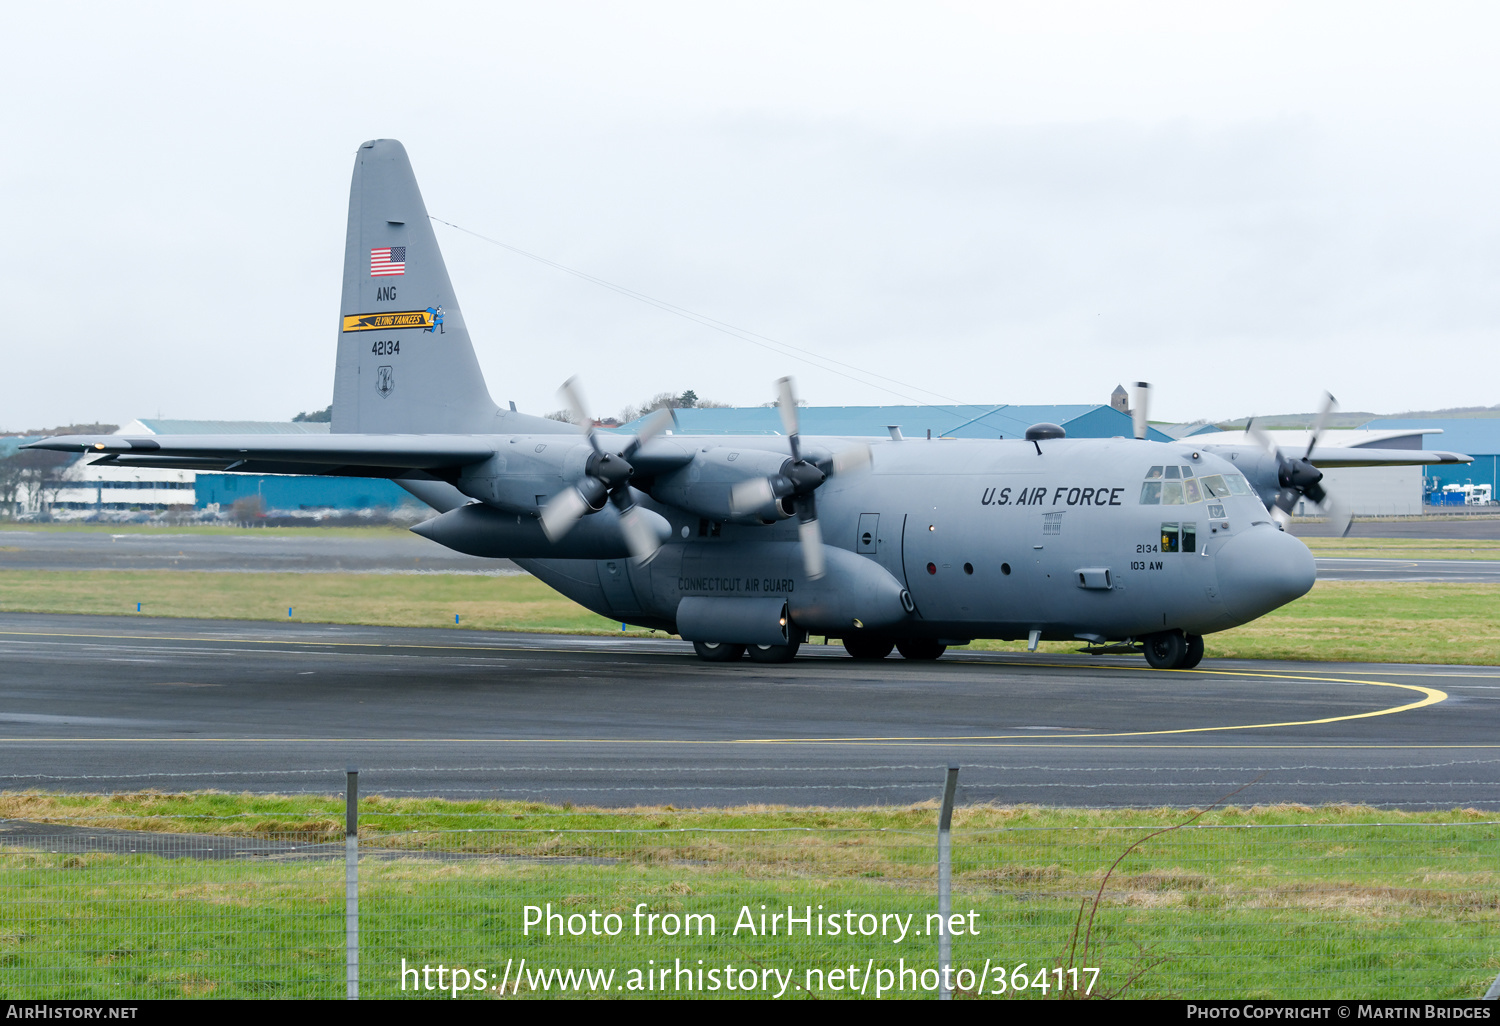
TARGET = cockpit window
x,y
1179,537
1176,486
1237,484
1214,486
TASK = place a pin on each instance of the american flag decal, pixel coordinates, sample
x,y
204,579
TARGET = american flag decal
x,y
388,261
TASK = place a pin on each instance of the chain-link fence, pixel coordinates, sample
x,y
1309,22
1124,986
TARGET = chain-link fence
x,y
1091,905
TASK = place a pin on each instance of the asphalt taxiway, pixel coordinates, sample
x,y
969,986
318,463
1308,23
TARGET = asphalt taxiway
x,y
112,703
1449,571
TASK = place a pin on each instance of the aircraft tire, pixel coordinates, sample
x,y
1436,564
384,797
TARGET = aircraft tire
x,y
1193,654
868,646
920,648
774,653
718,651
1165,651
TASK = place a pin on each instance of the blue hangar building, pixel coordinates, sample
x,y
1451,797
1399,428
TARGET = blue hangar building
x,y
1479,437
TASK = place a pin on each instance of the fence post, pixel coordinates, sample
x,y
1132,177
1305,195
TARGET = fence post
x,y
945,883
351,885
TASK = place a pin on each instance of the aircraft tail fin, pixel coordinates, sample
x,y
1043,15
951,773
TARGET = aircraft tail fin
x,y
405,362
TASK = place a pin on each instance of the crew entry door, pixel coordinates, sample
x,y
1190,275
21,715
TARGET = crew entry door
x,y
886,551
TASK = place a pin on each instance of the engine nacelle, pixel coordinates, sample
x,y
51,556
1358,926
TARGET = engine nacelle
x,y
480,530
526,471
704,485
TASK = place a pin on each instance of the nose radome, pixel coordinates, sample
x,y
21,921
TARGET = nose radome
x,y
1261,570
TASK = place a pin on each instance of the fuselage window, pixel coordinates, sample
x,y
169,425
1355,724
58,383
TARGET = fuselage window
x,y
1189,537
1169,537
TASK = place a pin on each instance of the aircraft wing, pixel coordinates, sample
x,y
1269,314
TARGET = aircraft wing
x,y
345,455
1359,457
1349,456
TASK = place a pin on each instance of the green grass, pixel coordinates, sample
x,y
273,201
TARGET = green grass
x,y
1272,902
1359,621
515,602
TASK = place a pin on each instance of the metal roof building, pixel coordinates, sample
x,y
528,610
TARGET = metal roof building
x,y
1080,420
96,488
1479,437
1367,491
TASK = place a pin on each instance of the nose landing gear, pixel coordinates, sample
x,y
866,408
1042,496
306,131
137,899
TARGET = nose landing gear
x,y
1173,650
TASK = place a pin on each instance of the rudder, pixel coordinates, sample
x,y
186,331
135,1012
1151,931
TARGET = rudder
x,y
405,363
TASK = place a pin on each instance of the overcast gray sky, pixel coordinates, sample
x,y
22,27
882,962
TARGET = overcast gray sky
x,y
1243,203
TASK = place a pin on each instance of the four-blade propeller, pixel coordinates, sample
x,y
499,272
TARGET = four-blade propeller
x,y
797,482
1298,477
605,476
1140,416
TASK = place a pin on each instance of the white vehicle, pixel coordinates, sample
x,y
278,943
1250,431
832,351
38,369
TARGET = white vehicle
x,y
1474,495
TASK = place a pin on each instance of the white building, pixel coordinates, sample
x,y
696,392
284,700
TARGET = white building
x,y
1366,491
97,487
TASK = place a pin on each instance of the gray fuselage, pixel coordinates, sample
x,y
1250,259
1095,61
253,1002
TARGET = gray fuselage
x,y
990,539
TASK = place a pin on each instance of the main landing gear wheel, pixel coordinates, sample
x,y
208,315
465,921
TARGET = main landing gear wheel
x,y
1194,654
1173,650
920,648
718,651
1165,650
774,653
868,646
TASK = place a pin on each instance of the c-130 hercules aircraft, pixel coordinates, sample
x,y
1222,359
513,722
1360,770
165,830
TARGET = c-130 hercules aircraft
x,y
753,543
